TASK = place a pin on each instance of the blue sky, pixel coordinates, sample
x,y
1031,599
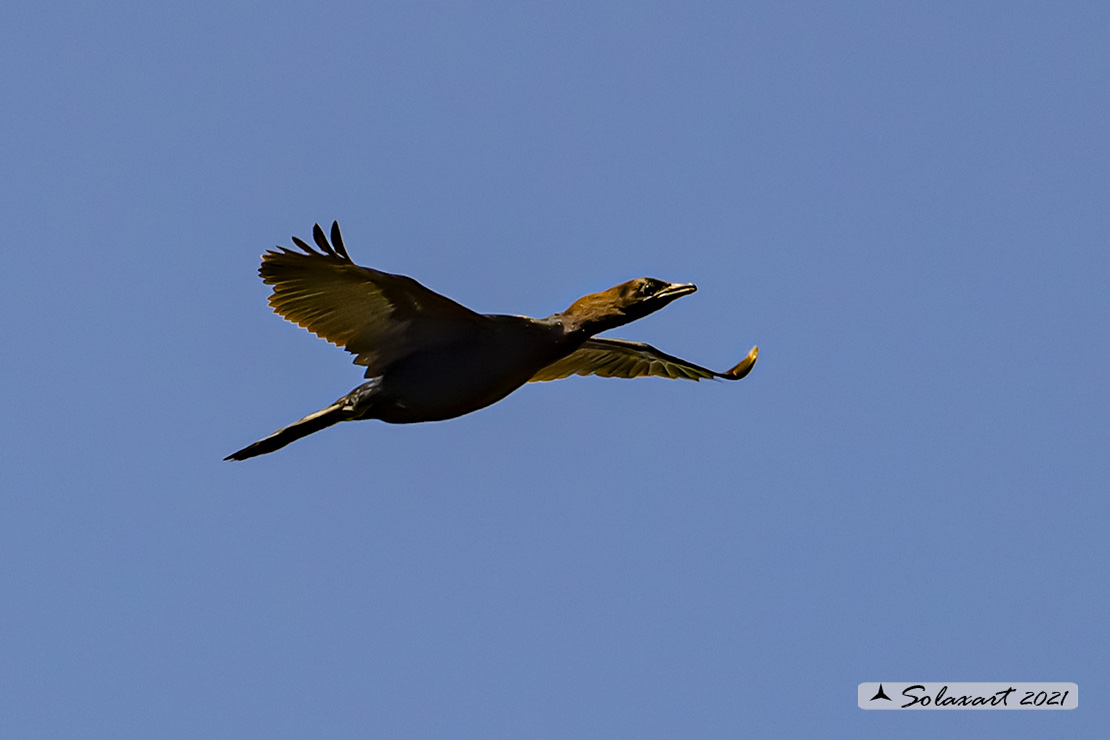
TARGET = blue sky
x,y
904,205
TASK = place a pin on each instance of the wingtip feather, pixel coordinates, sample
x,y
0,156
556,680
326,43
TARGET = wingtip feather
x,y
320,239
337,241
303,245
744,366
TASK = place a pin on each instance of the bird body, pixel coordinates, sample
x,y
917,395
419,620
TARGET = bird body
x,y
469,370
429,358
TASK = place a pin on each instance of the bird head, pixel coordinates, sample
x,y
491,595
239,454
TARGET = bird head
x,y
623,303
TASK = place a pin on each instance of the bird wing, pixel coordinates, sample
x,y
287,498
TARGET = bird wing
x,y
620,358
374,315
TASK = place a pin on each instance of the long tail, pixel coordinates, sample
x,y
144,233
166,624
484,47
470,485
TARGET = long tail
x,y
312,423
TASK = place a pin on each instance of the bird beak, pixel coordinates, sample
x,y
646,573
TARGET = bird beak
x,y
676,290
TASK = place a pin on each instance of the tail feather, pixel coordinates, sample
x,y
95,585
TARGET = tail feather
x,y
312,423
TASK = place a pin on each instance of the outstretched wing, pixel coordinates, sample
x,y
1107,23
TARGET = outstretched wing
x,y
620,358
374,315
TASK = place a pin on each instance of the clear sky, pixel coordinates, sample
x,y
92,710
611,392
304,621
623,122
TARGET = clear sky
x,y
906,205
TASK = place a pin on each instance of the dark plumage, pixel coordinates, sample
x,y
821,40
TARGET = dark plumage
x,y
428,358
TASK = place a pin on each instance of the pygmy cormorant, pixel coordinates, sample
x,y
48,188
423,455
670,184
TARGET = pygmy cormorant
x,y
428,358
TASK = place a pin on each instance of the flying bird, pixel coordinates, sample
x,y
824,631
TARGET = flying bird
x,y
428,358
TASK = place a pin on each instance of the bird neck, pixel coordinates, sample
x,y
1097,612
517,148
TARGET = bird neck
x,y
583,325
